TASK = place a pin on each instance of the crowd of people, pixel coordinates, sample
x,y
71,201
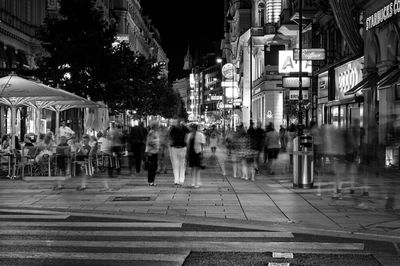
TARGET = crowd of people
x,y
182,146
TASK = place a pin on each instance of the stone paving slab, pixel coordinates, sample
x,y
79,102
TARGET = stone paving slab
x,y
269,199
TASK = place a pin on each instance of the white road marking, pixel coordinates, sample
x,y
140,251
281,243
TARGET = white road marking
x,y
93,224
148,233
95,256
285,255
33,216
193,245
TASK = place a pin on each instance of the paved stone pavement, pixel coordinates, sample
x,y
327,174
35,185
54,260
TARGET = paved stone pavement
x,y
269,202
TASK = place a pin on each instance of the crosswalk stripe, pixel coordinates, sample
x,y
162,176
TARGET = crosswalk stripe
x,y
148,233
29,211
193,245
94,224
32,216
96,256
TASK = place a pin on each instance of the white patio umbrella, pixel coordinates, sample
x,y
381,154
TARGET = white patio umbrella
x,y
17,91
59,106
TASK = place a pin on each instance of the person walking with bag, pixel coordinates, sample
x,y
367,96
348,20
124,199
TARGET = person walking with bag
x,y
152,149
195,141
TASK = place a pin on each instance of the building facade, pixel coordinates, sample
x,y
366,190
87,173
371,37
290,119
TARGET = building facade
x,y
381,34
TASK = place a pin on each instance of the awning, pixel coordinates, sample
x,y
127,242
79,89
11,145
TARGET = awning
x,y
390,80
372,80
369,81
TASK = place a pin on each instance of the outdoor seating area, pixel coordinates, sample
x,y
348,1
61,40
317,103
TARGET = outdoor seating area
x,y
38,153
46,158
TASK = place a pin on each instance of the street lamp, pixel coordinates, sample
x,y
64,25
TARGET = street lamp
x,y
300,114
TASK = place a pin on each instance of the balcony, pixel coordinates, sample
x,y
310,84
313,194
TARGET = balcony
x,y
267,76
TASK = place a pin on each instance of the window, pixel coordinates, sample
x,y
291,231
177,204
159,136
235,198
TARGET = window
x,y
261,14
273,9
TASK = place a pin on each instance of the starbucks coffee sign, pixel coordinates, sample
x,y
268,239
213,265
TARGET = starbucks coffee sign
x,y
383,14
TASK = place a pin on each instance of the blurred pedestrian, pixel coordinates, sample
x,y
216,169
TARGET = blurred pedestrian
x,y
240,145
63,152
290,135
82,155
352,144
214,137
106,153
195,142
257,143
282,137
178,150
316,133
163,153
117,146
152,150
135,145
335,150
272,146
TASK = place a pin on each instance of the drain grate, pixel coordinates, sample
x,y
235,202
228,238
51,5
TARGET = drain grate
x,y
135,198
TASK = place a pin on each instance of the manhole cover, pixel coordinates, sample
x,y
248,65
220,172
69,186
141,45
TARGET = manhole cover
x,y
137,198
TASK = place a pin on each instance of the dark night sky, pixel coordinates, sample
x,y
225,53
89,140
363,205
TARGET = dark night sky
x,y
197,23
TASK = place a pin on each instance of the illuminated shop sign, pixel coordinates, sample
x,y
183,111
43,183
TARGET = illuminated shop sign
x,y
347,76
228,70
383,14
287,64
216,97
192,82
309,54
294,82
294,94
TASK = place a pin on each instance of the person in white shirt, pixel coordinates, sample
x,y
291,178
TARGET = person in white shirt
x,y
65,130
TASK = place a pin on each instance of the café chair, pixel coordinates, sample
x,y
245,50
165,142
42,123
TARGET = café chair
x,y
82,161
63,156
26,160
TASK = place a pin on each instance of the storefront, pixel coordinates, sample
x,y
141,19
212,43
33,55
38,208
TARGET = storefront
x,y
382,102
336,105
